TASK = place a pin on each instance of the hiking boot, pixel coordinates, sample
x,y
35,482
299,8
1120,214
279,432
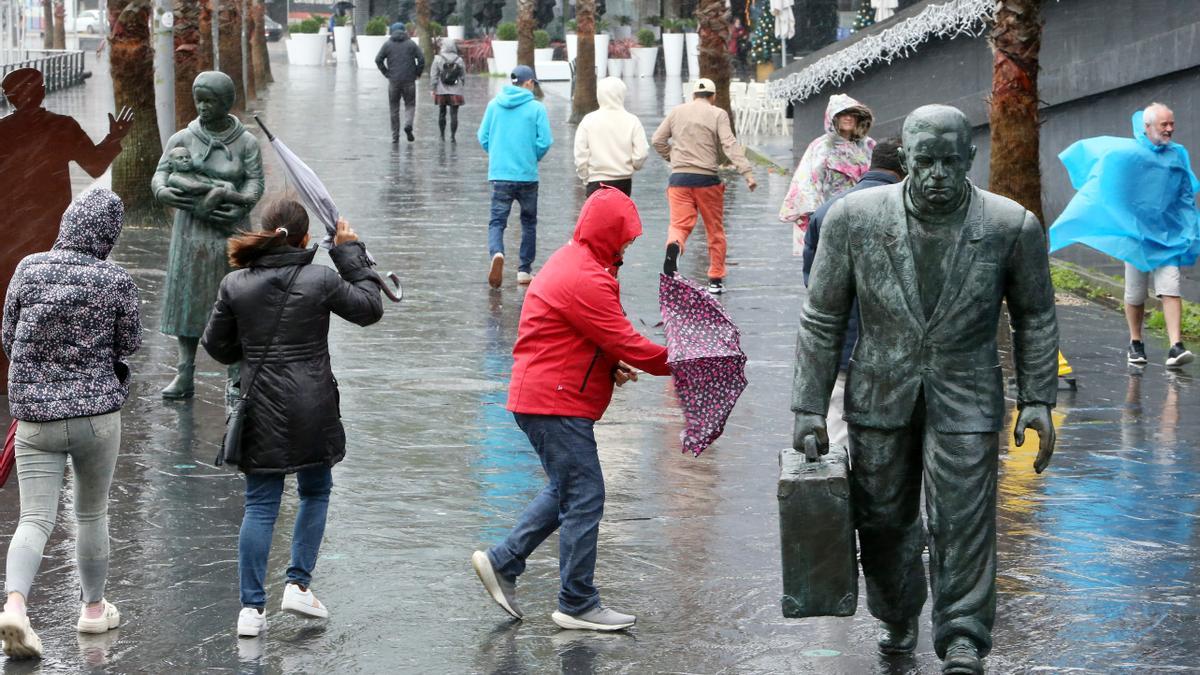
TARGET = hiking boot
x,y
1178,356
409,132
502,590
20,642
716,286
671,263
898,638
524,278
962,658
251,622
1137,353
596,618
109,619
183,386
303,602
496,273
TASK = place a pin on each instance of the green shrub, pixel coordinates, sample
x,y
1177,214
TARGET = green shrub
x,y
687,25
645,37
624,20
572,26
377,26
341,20
294,27
670,26
541,39
653,20
436,29
602,26
454,20
309,26
506,31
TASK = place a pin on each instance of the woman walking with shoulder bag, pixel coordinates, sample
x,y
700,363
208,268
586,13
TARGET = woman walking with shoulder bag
x,y
272,313
70,320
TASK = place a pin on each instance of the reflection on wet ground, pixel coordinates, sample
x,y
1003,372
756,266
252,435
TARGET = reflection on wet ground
x,y
1098,556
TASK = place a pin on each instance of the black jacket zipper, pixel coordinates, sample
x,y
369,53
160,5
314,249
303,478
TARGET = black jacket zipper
x,y
588,374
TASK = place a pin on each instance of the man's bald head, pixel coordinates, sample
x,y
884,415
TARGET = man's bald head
x,y
936,119
24,88
938,154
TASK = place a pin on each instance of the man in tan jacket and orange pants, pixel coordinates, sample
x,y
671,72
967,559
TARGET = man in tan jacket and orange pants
x,y
691,138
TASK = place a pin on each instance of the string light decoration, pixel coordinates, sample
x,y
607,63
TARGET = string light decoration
x,y
763,43
950,20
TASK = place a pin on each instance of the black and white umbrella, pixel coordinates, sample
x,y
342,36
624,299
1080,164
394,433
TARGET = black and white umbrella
x,y
318,200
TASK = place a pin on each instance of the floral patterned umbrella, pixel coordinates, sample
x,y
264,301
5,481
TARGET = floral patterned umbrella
x,y
705,357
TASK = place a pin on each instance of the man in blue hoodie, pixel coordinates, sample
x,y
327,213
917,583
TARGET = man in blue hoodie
x,y
515,132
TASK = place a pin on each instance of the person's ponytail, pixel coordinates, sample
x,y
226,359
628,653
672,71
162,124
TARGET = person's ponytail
x,y
285,223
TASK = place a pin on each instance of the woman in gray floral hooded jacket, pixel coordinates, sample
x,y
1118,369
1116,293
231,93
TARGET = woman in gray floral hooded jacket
x,y
70,320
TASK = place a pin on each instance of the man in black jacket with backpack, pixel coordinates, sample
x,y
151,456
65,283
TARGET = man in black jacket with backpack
x,y
401,61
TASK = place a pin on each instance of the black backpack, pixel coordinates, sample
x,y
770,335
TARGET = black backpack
x,y
451,73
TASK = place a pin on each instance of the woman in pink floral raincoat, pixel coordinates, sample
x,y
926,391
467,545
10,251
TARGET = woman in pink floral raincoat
x,y
832,163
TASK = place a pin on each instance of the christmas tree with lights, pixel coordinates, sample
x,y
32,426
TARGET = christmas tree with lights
x,y
866,16
763,43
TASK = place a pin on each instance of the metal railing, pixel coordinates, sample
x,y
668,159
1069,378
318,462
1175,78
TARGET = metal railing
x,y
61,68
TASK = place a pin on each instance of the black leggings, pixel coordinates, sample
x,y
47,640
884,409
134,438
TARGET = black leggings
x,y
453,118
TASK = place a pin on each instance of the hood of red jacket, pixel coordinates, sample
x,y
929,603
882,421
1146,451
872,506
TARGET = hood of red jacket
x,y
607,222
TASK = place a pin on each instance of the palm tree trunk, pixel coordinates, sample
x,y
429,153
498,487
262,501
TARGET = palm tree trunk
x,y
131,59
422,11
1016,39
262,60
714,51
60,28
47,24
229,20
585,101
246,37
193,55
525,27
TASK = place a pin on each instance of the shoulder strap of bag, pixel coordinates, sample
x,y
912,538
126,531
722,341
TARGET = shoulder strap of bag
x,y
274,329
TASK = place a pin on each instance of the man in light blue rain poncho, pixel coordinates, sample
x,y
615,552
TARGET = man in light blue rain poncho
x,y
1136,201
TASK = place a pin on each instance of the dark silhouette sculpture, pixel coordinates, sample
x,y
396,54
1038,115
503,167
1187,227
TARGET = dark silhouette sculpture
x,y
211,173
930,260
36,149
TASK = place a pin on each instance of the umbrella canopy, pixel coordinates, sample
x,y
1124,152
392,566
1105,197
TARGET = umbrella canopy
x,y
785,19
705,357
317,199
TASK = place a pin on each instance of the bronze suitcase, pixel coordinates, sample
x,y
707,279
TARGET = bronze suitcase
x,y
816,529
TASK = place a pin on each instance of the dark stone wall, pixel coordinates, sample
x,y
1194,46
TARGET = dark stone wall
x,y
1101,60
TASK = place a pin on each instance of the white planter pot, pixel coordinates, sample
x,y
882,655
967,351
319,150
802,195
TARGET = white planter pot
x,y
456,33
616,67
546,54
644,60
693,55
343,36
601,54
368,47
673,53
505,52
307,49
572,46
491,63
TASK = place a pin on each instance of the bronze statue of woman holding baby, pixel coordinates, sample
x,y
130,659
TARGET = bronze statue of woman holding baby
x,y
214,150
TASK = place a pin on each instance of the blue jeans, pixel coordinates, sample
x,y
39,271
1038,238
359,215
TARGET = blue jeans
x,y
572,500
263,492
503,194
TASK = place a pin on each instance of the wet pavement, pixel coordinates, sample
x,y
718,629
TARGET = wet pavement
x,y
1098,568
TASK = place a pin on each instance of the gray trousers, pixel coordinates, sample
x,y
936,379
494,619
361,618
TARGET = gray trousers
x,y
959,476
408,92
42,449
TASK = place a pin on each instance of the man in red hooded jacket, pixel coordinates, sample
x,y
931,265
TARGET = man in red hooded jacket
x,y
574,344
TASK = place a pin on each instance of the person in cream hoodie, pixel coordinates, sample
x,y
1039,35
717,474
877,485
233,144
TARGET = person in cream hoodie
x,y
610,143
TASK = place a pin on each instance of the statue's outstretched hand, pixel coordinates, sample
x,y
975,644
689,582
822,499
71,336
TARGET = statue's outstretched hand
x,y
810,436
1036,416
119,126
173,197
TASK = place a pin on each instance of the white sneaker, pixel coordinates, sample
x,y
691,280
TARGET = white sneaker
x,y
524,278
20,642
598,618
107,621
496,271
251,622
302,602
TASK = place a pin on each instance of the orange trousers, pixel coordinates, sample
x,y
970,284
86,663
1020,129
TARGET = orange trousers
x,y
709,203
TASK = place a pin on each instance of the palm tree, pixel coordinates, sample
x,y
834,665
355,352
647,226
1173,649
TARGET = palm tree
x,y
1016,39
714,52
258,43
60,28
584,100
422,10
229,23
526,24
47,24
193,54
131,59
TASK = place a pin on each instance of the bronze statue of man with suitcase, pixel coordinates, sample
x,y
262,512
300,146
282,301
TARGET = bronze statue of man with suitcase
x,y
930,260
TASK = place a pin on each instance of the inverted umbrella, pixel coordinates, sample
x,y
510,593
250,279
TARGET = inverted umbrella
x,y
318,200
705,357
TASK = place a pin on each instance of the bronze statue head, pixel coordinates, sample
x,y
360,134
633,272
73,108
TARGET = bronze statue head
x,y
938,154
24,88
214,94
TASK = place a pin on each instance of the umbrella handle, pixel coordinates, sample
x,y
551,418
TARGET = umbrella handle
x,y
270,136
396,295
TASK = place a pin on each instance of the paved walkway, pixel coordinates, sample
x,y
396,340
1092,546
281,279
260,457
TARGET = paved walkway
x,y
1098,557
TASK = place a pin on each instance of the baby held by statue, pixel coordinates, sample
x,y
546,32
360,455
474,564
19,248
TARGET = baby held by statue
x,y
216,192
